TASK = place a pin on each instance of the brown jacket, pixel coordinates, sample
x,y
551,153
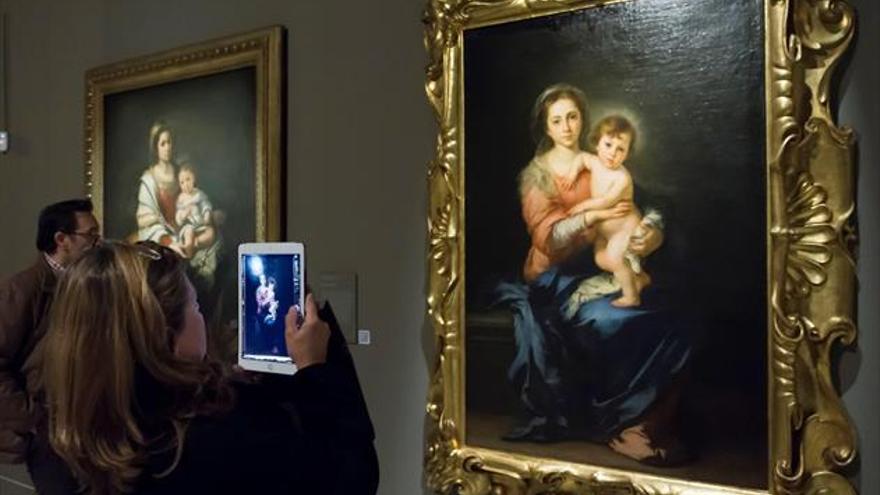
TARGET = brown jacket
x,y
25,299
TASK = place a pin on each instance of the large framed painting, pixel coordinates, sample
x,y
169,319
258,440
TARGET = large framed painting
x,y
184,148
641,247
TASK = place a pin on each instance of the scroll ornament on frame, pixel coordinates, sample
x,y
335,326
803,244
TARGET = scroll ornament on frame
x,y
813,293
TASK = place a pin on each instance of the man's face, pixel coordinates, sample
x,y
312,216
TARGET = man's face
x,y
71,246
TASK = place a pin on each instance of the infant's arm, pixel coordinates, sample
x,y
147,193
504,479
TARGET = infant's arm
x,y
580,163
621,189
587,159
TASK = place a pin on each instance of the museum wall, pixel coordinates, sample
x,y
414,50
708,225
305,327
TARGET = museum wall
x,y
358,139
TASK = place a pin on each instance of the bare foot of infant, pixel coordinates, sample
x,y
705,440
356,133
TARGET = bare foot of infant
x,y
642,280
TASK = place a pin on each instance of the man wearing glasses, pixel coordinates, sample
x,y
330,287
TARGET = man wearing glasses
x,y
65,231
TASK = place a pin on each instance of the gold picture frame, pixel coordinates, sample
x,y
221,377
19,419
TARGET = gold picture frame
x,y
220,105
810,237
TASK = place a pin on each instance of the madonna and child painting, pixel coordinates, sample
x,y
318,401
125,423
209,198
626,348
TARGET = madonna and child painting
x,y
615,213
179,169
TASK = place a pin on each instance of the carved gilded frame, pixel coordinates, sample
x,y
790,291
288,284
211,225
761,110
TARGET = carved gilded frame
x,y
260,49
810,245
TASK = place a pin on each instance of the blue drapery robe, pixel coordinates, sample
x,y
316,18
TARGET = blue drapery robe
x,y
598,370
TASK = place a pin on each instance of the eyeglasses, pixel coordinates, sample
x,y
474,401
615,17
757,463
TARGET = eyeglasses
x,y
93,236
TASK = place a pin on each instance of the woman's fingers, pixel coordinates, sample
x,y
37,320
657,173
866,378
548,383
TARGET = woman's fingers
x,y
291,319
311,308
306,341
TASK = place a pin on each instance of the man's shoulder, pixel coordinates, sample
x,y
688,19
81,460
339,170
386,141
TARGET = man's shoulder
x,y
27,280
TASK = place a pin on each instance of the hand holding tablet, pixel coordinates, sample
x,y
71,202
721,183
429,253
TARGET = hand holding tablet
x,y
306,341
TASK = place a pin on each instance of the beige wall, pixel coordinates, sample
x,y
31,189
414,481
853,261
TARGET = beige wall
x,y
359,136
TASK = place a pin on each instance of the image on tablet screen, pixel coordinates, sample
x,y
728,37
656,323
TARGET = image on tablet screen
x,y
270,285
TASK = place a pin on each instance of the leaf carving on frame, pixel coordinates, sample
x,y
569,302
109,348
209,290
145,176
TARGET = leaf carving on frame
x,y
445,470
782,87
821,431
825,29
829,438
436,19
823,24
810,232
443,20
443,230
807,238
441,258
813,437
534,478
447,473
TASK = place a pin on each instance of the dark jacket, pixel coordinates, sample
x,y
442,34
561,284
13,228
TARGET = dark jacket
x,y
309,433
25,299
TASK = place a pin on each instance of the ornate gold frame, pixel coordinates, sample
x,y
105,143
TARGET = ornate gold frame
x,y
260,49
811,268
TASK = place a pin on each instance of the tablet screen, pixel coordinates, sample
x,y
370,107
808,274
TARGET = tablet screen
x,y
270,285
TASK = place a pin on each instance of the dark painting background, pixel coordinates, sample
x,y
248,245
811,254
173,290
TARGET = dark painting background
x,y
691,75
214,123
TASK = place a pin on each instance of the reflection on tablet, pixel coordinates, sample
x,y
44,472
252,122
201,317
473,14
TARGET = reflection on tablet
x,y
270,285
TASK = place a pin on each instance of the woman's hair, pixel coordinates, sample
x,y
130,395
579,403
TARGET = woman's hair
x,y
115,389
539,113
612,125
155,131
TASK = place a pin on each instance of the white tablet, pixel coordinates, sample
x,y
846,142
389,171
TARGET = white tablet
x,y
270,280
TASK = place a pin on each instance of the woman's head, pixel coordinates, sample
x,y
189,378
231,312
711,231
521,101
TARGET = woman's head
x,y
166,278
161,143
559,117
124,352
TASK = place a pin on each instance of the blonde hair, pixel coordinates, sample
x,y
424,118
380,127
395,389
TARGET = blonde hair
x,y
115,390
614,126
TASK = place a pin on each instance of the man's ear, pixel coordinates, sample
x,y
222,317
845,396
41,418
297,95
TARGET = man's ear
x,y
59,238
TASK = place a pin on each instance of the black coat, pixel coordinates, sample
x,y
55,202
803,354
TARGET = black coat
x,y
309,433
